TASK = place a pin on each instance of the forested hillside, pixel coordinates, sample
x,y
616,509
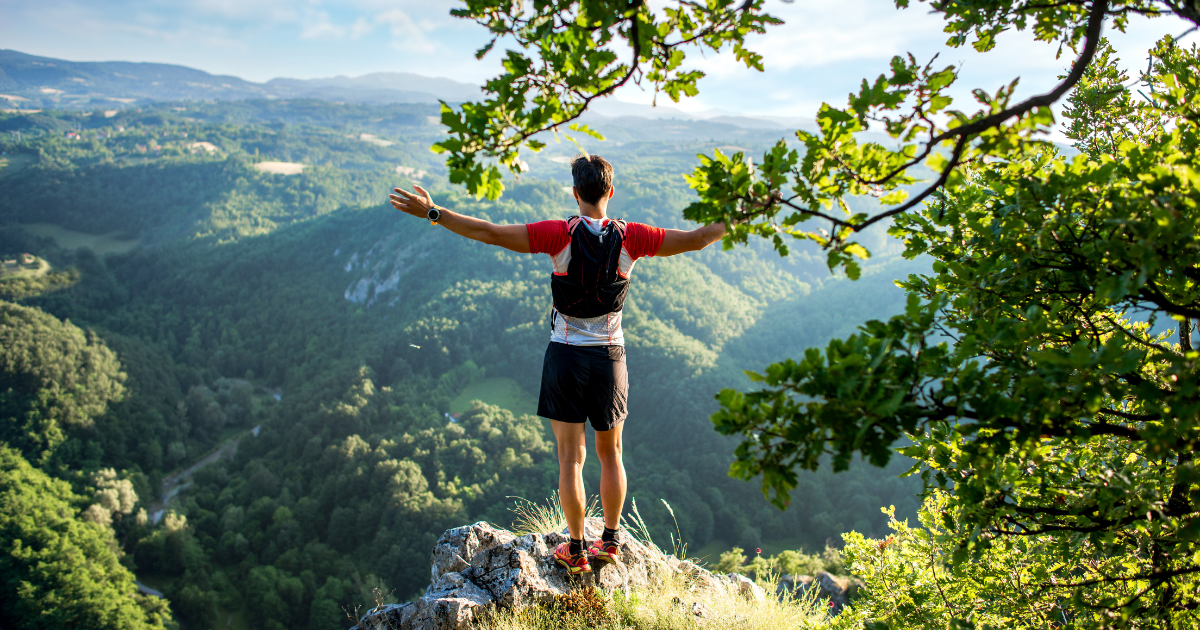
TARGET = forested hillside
x,y
306,342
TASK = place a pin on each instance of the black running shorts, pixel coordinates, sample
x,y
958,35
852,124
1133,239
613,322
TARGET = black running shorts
x,y
584,383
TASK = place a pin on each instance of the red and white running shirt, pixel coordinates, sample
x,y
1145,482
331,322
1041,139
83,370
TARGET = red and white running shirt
x,y
552,237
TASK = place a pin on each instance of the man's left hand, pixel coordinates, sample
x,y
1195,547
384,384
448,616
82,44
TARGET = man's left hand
x,y
412,203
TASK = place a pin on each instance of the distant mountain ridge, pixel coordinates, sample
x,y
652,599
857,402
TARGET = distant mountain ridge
x,y
384,83
32,82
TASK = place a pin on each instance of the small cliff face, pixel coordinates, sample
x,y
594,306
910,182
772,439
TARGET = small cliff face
x,y
478,566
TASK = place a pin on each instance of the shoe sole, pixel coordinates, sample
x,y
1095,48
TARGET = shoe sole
x,y
572,569
609,558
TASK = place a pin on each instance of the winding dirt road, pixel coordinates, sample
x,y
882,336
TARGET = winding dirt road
x,y
179,481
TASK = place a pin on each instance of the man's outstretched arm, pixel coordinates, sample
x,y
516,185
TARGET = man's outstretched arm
x,y
513,237
680,241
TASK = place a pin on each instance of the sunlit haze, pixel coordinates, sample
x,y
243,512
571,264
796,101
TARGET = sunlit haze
x,y
819,55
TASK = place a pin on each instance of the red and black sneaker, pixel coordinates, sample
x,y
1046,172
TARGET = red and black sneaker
x,y
574,564
604,551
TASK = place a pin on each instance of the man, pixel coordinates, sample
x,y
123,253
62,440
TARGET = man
x,y
583,375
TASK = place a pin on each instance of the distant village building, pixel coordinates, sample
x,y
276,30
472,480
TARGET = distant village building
x,y
28,259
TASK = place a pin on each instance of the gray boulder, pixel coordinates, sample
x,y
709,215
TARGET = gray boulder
x,y
827,589
476,567
745,587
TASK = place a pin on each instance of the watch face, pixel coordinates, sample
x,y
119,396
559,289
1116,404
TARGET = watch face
x,y
434,214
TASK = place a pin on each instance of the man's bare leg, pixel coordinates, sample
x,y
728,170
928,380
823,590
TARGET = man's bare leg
x,y
612,474
572,449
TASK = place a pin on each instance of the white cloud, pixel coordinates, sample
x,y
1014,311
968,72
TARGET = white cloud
x,y
361,28
408,34
319,26
260,12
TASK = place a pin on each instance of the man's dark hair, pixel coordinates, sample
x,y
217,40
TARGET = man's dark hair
x,y
593,178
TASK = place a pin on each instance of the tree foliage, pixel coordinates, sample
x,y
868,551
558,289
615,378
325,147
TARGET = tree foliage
x,y
1033,369
58,570
576,57
53,377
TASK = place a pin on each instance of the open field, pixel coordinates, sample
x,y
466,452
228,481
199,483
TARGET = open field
x,y
411,172
12,163
376,140
100,244
280,168
499,391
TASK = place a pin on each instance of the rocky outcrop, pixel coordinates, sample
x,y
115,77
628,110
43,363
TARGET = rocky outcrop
x,y
836,591
477,567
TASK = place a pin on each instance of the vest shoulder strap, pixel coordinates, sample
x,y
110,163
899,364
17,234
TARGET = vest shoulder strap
x,y
573,222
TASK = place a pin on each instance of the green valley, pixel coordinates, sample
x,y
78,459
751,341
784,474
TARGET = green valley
x,y
223,298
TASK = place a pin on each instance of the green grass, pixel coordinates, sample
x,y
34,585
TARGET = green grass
x,y
10,164
502,392
667,605
542,518
709,554
100,244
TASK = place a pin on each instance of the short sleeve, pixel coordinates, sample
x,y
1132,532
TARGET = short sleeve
x,y
643,240
548,237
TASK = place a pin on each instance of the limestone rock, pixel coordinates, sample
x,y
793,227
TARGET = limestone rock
x,y
457,546
478,566
746,587
828,589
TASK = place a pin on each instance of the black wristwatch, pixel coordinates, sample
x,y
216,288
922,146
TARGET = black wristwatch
x,y
434,215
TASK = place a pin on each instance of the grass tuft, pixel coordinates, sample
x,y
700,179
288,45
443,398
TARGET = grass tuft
x,y
543,518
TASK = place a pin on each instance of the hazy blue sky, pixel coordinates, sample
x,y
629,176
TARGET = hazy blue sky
x,y
820,54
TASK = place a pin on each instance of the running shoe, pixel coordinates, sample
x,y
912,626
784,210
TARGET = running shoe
x,y
574,564
604,551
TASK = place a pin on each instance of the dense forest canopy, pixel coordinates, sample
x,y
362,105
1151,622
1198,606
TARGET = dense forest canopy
x,y
294,336
59,569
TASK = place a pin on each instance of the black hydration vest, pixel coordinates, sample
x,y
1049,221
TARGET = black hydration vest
x,y
592,285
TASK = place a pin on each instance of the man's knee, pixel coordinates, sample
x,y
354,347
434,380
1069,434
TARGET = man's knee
x,y
571,457
609,453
